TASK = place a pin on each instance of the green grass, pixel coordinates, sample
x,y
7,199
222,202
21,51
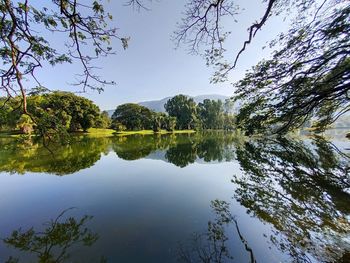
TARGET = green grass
x,y
96,132
101,131
147,132
6,134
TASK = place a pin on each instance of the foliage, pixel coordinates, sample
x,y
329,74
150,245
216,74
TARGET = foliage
x,y
26,44
103,121
303,81
170,123
184,109
53,113
301,190
133,116
213,245
75,111
52,244
211,114
25,124
307,78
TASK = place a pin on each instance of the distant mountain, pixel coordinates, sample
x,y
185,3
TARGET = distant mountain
x,y
158,105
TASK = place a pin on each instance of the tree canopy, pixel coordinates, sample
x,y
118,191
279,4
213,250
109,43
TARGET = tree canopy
x,y
52,112
211,113
184,109
24,48
308,75
133,116
307,78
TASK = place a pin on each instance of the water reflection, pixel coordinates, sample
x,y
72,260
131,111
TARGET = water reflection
x,y
299,188
213,245
52,245
302,189
84,152
60,160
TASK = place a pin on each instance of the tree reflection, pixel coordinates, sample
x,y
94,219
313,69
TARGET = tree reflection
x,y
82,153
53,243
179,149
212,246
139,146
21,156
301,188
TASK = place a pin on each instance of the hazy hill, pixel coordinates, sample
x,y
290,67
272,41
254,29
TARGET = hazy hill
x,y
158,105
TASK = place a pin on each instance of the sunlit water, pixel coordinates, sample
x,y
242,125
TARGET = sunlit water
x,y
210,197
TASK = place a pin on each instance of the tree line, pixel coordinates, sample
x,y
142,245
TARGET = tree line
x,y
303,81
182,113
51,113
65,112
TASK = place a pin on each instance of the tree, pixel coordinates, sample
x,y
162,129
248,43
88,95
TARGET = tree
x,y
9,114
158,121
24,50
25,124
133,116
103,121
211,113
74,112
303,80
307,78
52,112
170,123
184,109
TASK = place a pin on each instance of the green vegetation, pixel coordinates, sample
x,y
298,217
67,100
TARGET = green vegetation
x,y
302,81
308,76
145,132
134,117
183,114
300,188
21,155
51,114
184,110
24,49
54,242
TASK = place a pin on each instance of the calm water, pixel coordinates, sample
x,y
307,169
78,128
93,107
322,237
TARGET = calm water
x,y
209,197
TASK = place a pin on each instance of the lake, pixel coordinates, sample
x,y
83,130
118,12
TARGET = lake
x,y
203,197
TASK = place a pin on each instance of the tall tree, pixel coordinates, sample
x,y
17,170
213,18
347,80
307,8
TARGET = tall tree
x,y
184,109
133,116
308,76
24,50
211,113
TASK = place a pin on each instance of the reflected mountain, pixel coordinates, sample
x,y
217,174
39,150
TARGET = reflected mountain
x,y
302,189
53,243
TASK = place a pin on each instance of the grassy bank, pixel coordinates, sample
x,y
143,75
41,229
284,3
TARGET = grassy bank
x,y
145,132
96,132
6,134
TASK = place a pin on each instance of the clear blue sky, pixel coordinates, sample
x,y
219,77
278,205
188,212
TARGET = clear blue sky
x,y
151,68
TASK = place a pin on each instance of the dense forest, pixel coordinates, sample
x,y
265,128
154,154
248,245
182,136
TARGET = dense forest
x,y
182,113
66,112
